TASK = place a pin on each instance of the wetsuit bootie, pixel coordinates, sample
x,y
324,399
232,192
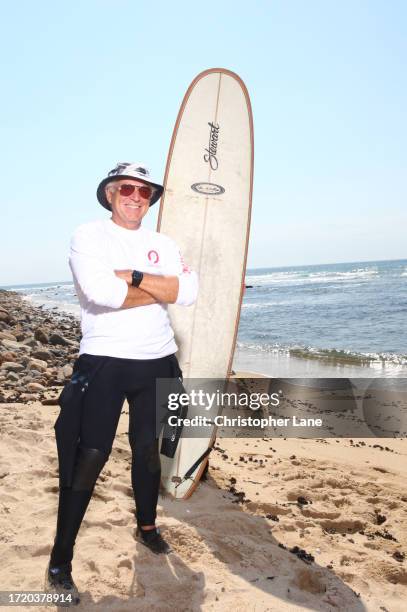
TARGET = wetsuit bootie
x,y
59,580
153,539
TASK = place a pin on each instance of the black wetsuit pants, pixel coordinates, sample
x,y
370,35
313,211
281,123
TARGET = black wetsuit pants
x,y
116,379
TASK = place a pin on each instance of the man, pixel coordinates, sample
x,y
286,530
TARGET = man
x,y
124,275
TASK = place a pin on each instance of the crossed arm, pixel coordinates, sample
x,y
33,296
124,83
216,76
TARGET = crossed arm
x,y
153,289
103,286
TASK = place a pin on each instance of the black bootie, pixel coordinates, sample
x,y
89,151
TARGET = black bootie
x,y
59,580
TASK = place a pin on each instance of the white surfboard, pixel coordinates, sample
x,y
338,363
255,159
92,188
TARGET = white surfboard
x,y
206,209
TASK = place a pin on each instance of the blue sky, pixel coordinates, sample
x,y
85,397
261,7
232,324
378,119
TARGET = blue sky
x,y
87,84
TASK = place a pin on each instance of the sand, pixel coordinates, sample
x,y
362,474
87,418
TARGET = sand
x,y
342,503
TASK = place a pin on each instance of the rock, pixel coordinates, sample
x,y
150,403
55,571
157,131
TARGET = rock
x,y
28,397
37,364
4,316
12,366
50,401
41,336
7,356
58,339
42,354
34,374
30,342
33,386
13,376
67,370
15,346
6,335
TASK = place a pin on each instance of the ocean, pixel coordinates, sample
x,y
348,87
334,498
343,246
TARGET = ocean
x,y
333,320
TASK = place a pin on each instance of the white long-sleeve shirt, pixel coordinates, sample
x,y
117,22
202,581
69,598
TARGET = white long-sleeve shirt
x,y
143,332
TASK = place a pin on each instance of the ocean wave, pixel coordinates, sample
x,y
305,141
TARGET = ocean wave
x,y
327,355
276,277
50,304
255,305
311,277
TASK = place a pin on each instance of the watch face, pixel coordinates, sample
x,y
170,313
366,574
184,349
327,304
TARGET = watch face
x,y
137,277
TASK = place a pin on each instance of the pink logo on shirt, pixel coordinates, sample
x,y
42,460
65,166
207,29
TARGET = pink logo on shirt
x,y
153,257
185,269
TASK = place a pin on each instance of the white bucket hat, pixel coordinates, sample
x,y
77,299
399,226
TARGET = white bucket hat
x,y
130,170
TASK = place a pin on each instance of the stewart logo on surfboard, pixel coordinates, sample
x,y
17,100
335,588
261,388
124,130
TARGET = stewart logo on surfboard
x,y
210,189
210,152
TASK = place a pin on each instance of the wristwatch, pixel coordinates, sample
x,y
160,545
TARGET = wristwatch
x,y
136,278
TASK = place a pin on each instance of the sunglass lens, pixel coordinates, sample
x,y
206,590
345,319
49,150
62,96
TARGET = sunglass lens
x,y
145,192
126,190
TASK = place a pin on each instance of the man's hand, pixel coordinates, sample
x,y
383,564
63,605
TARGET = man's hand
x,y
125,275
161,289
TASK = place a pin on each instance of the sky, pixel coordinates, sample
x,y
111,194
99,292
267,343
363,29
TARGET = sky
x,y
89,83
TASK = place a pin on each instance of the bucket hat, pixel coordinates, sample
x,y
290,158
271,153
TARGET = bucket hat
x,y
130,170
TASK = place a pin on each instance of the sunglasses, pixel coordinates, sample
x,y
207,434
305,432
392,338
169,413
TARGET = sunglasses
x,y
127,190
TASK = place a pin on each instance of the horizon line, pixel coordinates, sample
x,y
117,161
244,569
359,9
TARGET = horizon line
x,y
64,282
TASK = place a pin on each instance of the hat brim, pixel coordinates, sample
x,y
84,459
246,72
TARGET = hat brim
x,y
101,194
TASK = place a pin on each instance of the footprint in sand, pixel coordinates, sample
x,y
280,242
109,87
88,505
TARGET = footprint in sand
x,y
341,501
187,544
42,473
121,521
310,580
294,494
391,572
265,508
42,551
103,524
123,489
226,553
125,563
315,513
102,496
342,526
93,567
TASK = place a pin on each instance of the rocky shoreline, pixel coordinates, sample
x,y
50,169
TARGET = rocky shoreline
x,y
37,350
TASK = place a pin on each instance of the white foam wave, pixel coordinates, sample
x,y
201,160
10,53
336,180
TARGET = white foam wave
x,y
313,277
374,359
52,304
262,304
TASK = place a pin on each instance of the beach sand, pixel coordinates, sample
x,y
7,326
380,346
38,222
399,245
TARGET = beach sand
x,y
231,539
279,524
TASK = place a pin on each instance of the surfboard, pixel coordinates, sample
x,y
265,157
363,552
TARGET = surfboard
x,y
206,209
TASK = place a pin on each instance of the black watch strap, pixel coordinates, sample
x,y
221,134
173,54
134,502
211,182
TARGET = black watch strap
x,y
136,278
